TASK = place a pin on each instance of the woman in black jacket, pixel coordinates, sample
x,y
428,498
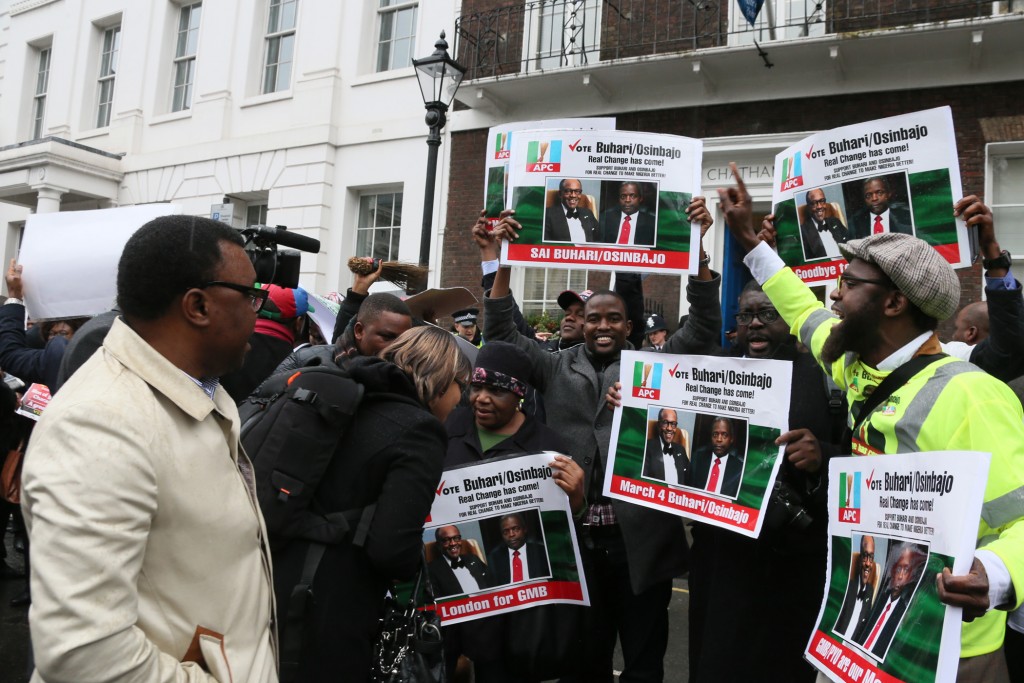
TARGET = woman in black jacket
x,y
391,455
532,644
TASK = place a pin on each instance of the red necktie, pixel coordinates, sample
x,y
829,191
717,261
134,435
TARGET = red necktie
x,y
878,627
716,470
878,229
517,567
624,233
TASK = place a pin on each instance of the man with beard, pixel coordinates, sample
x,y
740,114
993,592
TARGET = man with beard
x,y
821,234
889,301
878,629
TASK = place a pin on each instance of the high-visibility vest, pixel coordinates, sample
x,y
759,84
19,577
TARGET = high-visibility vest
x,y
949,405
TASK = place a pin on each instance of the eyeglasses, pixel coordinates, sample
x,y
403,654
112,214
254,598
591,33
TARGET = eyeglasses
x,y
450,540
765,315
848,281
572,191
257,296
817,202
669,424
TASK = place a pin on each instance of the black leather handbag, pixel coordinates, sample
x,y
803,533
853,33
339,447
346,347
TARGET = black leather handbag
x,y
409,648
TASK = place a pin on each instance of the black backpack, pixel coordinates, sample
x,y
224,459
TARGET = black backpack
x,y
290,430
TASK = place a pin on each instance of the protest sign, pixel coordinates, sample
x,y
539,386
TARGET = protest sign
x,y
71,257
899,174
482,516
499,149
34,401
895,521
695,436
604,200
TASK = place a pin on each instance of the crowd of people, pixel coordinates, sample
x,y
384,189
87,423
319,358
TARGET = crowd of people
x,y
151,560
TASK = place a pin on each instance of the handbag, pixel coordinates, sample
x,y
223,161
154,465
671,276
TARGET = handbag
x,y
10,476
409,648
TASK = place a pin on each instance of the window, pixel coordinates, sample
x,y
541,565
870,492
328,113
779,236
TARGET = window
x,y
543,285
566,31
185,56
277,65
1006,170
380,225
39,100
397,34
256,214
778,20
108,68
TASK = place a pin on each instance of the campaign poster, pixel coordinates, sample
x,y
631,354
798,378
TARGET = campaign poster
x,y
604,200
899,174
895,522
500,538
499,149
34,401
695,436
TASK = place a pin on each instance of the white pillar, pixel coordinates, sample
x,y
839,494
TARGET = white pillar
x,y
48,198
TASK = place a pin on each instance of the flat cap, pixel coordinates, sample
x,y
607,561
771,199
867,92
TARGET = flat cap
x,y
914,267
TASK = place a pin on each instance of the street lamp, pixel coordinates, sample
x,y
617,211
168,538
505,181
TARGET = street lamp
x,y
439,76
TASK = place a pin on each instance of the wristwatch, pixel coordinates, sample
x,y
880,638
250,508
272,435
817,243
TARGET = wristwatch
x,y
1001,261
13,300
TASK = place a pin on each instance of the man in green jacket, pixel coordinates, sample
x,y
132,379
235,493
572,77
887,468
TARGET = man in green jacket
x,y
886,308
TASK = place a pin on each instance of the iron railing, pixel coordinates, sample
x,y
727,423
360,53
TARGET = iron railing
x,y
540,35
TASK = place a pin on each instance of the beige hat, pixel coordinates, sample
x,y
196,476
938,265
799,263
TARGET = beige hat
x,y
914,267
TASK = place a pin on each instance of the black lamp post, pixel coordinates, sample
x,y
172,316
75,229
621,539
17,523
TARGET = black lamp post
x,y
439,77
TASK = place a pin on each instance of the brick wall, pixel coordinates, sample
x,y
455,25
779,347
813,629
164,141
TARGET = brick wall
x,y
981,114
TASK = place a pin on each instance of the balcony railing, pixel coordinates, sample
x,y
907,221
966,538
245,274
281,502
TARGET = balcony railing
x,y
540,35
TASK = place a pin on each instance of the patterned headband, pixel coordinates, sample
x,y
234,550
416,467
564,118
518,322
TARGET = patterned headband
x,y
500,380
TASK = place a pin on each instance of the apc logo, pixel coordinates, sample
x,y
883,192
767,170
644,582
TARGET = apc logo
x,y
849,497
792,176
544,157
647,380
502,145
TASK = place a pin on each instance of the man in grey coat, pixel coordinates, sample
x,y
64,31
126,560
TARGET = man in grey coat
x,y
630,553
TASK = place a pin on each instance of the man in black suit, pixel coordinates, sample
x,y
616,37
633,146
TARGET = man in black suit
x,y
876,634
879,214
821,234
666,460
860,592
723,475
506,562
628,224
569,222
451,572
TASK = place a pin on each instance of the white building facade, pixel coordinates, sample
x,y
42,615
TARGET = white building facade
x,y
303,113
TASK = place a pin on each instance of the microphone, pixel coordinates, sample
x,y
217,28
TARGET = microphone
x,y
285,238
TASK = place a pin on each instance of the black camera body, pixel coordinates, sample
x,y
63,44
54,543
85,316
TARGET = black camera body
x,y
786,508
273,265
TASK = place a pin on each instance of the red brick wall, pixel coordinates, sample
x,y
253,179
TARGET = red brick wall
x,y
973,107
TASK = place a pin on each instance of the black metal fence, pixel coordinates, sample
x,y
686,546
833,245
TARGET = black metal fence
x,y
539,35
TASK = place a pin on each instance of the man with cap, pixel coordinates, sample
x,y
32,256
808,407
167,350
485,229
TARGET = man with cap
x,y
656,332
570,328
465,325
888,302
279,321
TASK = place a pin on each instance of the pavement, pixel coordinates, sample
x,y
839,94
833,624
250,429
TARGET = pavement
x,y
14,636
